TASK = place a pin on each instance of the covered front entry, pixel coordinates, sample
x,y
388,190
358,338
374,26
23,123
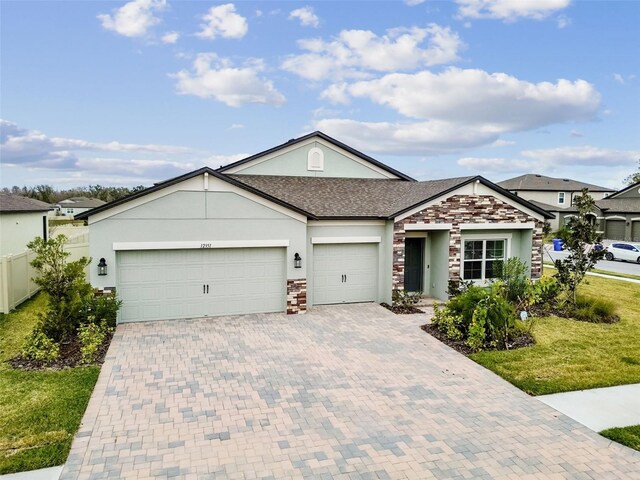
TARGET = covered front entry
x,y
170,284
345,273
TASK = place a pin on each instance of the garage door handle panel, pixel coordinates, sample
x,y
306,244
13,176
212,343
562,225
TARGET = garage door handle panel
x,y
207,288
204,289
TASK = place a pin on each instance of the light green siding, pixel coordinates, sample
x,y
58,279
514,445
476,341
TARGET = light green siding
x,y
195,216
439,264
294,163
355,229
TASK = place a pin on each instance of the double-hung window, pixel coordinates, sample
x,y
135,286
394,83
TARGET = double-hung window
x,y
561,198
480,257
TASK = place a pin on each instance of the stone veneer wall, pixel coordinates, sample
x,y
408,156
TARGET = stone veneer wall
x,y
464,209
297,296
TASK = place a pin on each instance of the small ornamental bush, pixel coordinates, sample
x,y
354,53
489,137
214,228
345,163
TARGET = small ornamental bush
x,y
40,347
594,310
103,308
405,299
91,336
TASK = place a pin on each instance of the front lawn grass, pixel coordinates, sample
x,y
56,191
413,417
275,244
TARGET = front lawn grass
x,y
629,436
572,355
40,411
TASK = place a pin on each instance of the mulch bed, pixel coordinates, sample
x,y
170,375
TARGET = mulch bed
x,y
69,357
400,310
525,340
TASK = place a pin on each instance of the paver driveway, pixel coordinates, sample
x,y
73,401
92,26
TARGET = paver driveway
x,y
341,392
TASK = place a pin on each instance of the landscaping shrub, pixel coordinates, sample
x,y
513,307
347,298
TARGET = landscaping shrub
x,y
91,336
65,285
594,310
40,347
103,308
482,317
405,299
513,274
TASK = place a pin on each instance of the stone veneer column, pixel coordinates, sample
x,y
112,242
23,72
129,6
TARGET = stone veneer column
x,y
297,296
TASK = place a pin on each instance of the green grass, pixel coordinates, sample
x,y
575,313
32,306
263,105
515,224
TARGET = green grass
x,y
629,436
39,411
571,355
604,272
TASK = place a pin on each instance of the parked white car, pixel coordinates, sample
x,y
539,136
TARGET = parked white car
x,y
623,251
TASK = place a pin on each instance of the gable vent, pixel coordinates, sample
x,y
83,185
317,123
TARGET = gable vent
x,y
315,159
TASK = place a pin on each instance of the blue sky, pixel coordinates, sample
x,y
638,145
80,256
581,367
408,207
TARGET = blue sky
x,y
128,93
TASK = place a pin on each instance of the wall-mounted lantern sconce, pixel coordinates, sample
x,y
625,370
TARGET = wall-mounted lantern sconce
x,y
297,261
102,267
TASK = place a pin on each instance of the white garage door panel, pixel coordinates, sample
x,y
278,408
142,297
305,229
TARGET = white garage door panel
x,y
166,284
358,261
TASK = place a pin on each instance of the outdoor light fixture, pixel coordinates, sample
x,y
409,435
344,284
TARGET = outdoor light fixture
x,y
102,267
297,261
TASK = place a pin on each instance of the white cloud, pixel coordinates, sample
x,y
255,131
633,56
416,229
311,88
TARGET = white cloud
x,y
217,78
498,102
510,10
170,37
622,79
236,126
420,138
355,53
75,161
413,3
306,16
493,164
563,21
555,159
133,19
223,21
585,155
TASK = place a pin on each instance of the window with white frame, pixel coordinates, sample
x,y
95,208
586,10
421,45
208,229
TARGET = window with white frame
x,y
480,257
561,198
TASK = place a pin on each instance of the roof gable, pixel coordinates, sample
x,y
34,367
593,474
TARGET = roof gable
x,y
290,159
631,191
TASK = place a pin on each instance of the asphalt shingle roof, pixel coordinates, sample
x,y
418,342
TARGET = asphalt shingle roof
x,y
18,203
349,197
620,205
81,202
532,181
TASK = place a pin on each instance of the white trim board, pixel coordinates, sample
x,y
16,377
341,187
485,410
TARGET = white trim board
x,y
326,240
200,244
497,226
421,227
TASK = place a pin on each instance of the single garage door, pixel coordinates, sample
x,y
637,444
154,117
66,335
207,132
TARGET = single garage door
x,y
169,284
615,230
635,231
345,273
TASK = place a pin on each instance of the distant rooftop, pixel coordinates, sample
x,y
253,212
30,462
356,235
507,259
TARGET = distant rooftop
x,y
81,202
533,181
18,203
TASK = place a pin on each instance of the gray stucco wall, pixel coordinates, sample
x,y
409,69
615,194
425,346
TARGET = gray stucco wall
x,y
194,216
294,163
353,229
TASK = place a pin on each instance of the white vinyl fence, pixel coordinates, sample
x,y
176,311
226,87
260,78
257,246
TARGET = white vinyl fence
x,y
16,274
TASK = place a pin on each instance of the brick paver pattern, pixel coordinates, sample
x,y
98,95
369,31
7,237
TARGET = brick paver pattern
x,y
351,392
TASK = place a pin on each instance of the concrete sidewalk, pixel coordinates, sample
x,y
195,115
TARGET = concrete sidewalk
x,y
599,408
52,473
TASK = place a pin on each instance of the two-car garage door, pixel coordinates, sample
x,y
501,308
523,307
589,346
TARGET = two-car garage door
x,y
168,284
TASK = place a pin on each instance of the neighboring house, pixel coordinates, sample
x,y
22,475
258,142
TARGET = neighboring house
x,y
73,206
552,194
21,220
617,216
309,222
